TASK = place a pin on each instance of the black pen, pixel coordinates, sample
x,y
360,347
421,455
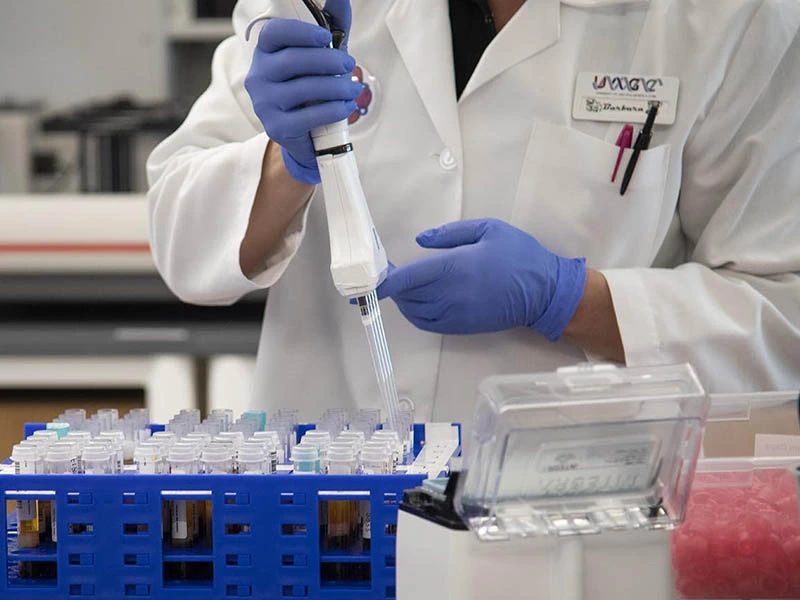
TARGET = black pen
x,y
642,143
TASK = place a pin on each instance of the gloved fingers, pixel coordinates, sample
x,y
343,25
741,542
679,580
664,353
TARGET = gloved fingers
x,y
430,325
306,171
414,312
306,90
413,275
299,122
414,309
277,34
290,63
341,15
451,235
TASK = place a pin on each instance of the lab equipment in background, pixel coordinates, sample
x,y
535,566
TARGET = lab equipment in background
x,y
214,9
18,124
552,458
115,138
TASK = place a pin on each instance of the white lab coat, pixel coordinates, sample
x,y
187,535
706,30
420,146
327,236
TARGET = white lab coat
x,y
702,254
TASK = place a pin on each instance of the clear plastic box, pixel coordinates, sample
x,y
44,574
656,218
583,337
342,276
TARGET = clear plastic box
x,y
741,537
582,450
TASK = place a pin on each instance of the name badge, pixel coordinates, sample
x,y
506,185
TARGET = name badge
x,y
619,98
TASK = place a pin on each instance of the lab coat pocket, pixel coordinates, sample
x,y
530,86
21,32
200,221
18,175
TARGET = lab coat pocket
x,y
565,198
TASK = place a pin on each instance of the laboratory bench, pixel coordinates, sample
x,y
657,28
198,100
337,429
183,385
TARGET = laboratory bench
x,y
83,308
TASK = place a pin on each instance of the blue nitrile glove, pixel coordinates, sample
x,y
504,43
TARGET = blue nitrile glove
x,y
297,83
490,277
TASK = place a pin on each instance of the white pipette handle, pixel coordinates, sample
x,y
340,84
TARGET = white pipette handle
x,y
358,259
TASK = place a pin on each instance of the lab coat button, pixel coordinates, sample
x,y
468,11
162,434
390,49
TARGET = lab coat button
x,y
447,161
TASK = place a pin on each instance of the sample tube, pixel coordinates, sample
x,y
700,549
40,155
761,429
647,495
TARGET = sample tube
x,y
212,425
179,426
108,418
98,459
342,515
362,425
217,459
165,439
140,415
81,438
61,459
253,459
135,426
76,417
341,460
287,432
60,428
116,439
203,438
148,458
305,459
276,444
320,439
272,444
259,417
376,459
394,441
234,437
356,436
93,425
406,430
197,443
40,447
226,416
182,460
184,519
191,415
25,459
47,437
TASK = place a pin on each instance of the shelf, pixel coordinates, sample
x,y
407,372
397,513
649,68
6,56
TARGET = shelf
x,y
345,557
205,30
187,554
45,552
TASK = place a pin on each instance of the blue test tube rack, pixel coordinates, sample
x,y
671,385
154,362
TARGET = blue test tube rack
x,y
265,537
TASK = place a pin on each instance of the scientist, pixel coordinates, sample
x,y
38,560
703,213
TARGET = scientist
x,y
486,148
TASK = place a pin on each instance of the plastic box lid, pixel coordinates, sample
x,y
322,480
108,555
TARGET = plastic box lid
x,y
582,450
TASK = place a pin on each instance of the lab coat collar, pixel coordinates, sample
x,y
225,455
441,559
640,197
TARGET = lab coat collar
x,y
421,33
535,27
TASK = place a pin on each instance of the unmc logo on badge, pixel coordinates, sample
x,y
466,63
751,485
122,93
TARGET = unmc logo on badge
x,y
627,84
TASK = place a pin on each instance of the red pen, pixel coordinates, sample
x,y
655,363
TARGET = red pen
x,y
624,140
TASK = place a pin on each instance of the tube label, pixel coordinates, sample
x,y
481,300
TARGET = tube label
x,y
28,516
180,526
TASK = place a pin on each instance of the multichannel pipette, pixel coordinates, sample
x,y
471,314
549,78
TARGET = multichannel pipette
x,y
358,259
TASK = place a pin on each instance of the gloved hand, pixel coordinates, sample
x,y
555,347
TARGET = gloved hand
x,y
297,83
490,277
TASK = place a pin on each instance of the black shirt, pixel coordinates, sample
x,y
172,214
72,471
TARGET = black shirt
x,y
473,29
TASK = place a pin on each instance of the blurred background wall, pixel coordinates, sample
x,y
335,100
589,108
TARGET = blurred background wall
x,y
67,52
87,89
